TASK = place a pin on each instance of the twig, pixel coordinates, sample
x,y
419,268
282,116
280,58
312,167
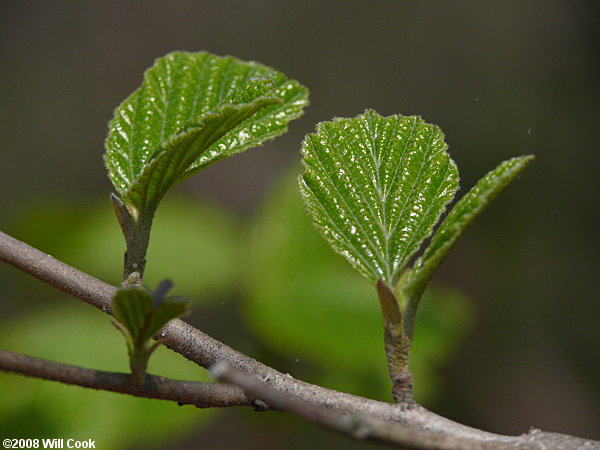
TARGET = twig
x,y
201,395
206,351
355,426
56,273
397,344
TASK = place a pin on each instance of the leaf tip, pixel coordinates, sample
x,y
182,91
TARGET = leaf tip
x,y
161,291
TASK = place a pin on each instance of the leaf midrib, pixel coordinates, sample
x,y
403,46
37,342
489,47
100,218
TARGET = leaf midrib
x,y
414,184
401,159
343,199
379,188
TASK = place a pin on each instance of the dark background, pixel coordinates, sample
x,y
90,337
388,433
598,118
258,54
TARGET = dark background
x,y
501,77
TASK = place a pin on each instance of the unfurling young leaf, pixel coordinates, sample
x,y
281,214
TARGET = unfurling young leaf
x,y
140,315
375,187
454,225
173,159
460,218
177,92
191,110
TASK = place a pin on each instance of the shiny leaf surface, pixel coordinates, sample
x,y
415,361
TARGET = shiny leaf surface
x,y
179,153
179,89
375,187
460,218
310,307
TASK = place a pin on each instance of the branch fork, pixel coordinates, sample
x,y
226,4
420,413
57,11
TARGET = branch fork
x,y
355,417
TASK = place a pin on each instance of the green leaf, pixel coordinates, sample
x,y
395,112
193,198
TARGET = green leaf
x,y
459,219
375,187
131,306
177,155
142,315
191,110
170,308
161,291
253,88
80,336
184,89
308,306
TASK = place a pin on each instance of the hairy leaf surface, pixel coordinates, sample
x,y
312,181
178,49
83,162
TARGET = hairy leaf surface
x,y
143,316
461,217
307,304
174,158
179,90
375,187
131,306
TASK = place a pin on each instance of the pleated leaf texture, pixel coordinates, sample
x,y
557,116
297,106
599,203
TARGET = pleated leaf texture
x,y
375,187
142,316
464,212
192,110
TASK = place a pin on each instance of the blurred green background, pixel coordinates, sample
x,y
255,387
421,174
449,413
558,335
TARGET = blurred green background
x,y
507,340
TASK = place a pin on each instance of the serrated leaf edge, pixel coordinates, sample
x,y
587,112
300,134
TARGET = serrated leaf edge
x,y
452,227
136,197
309,196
